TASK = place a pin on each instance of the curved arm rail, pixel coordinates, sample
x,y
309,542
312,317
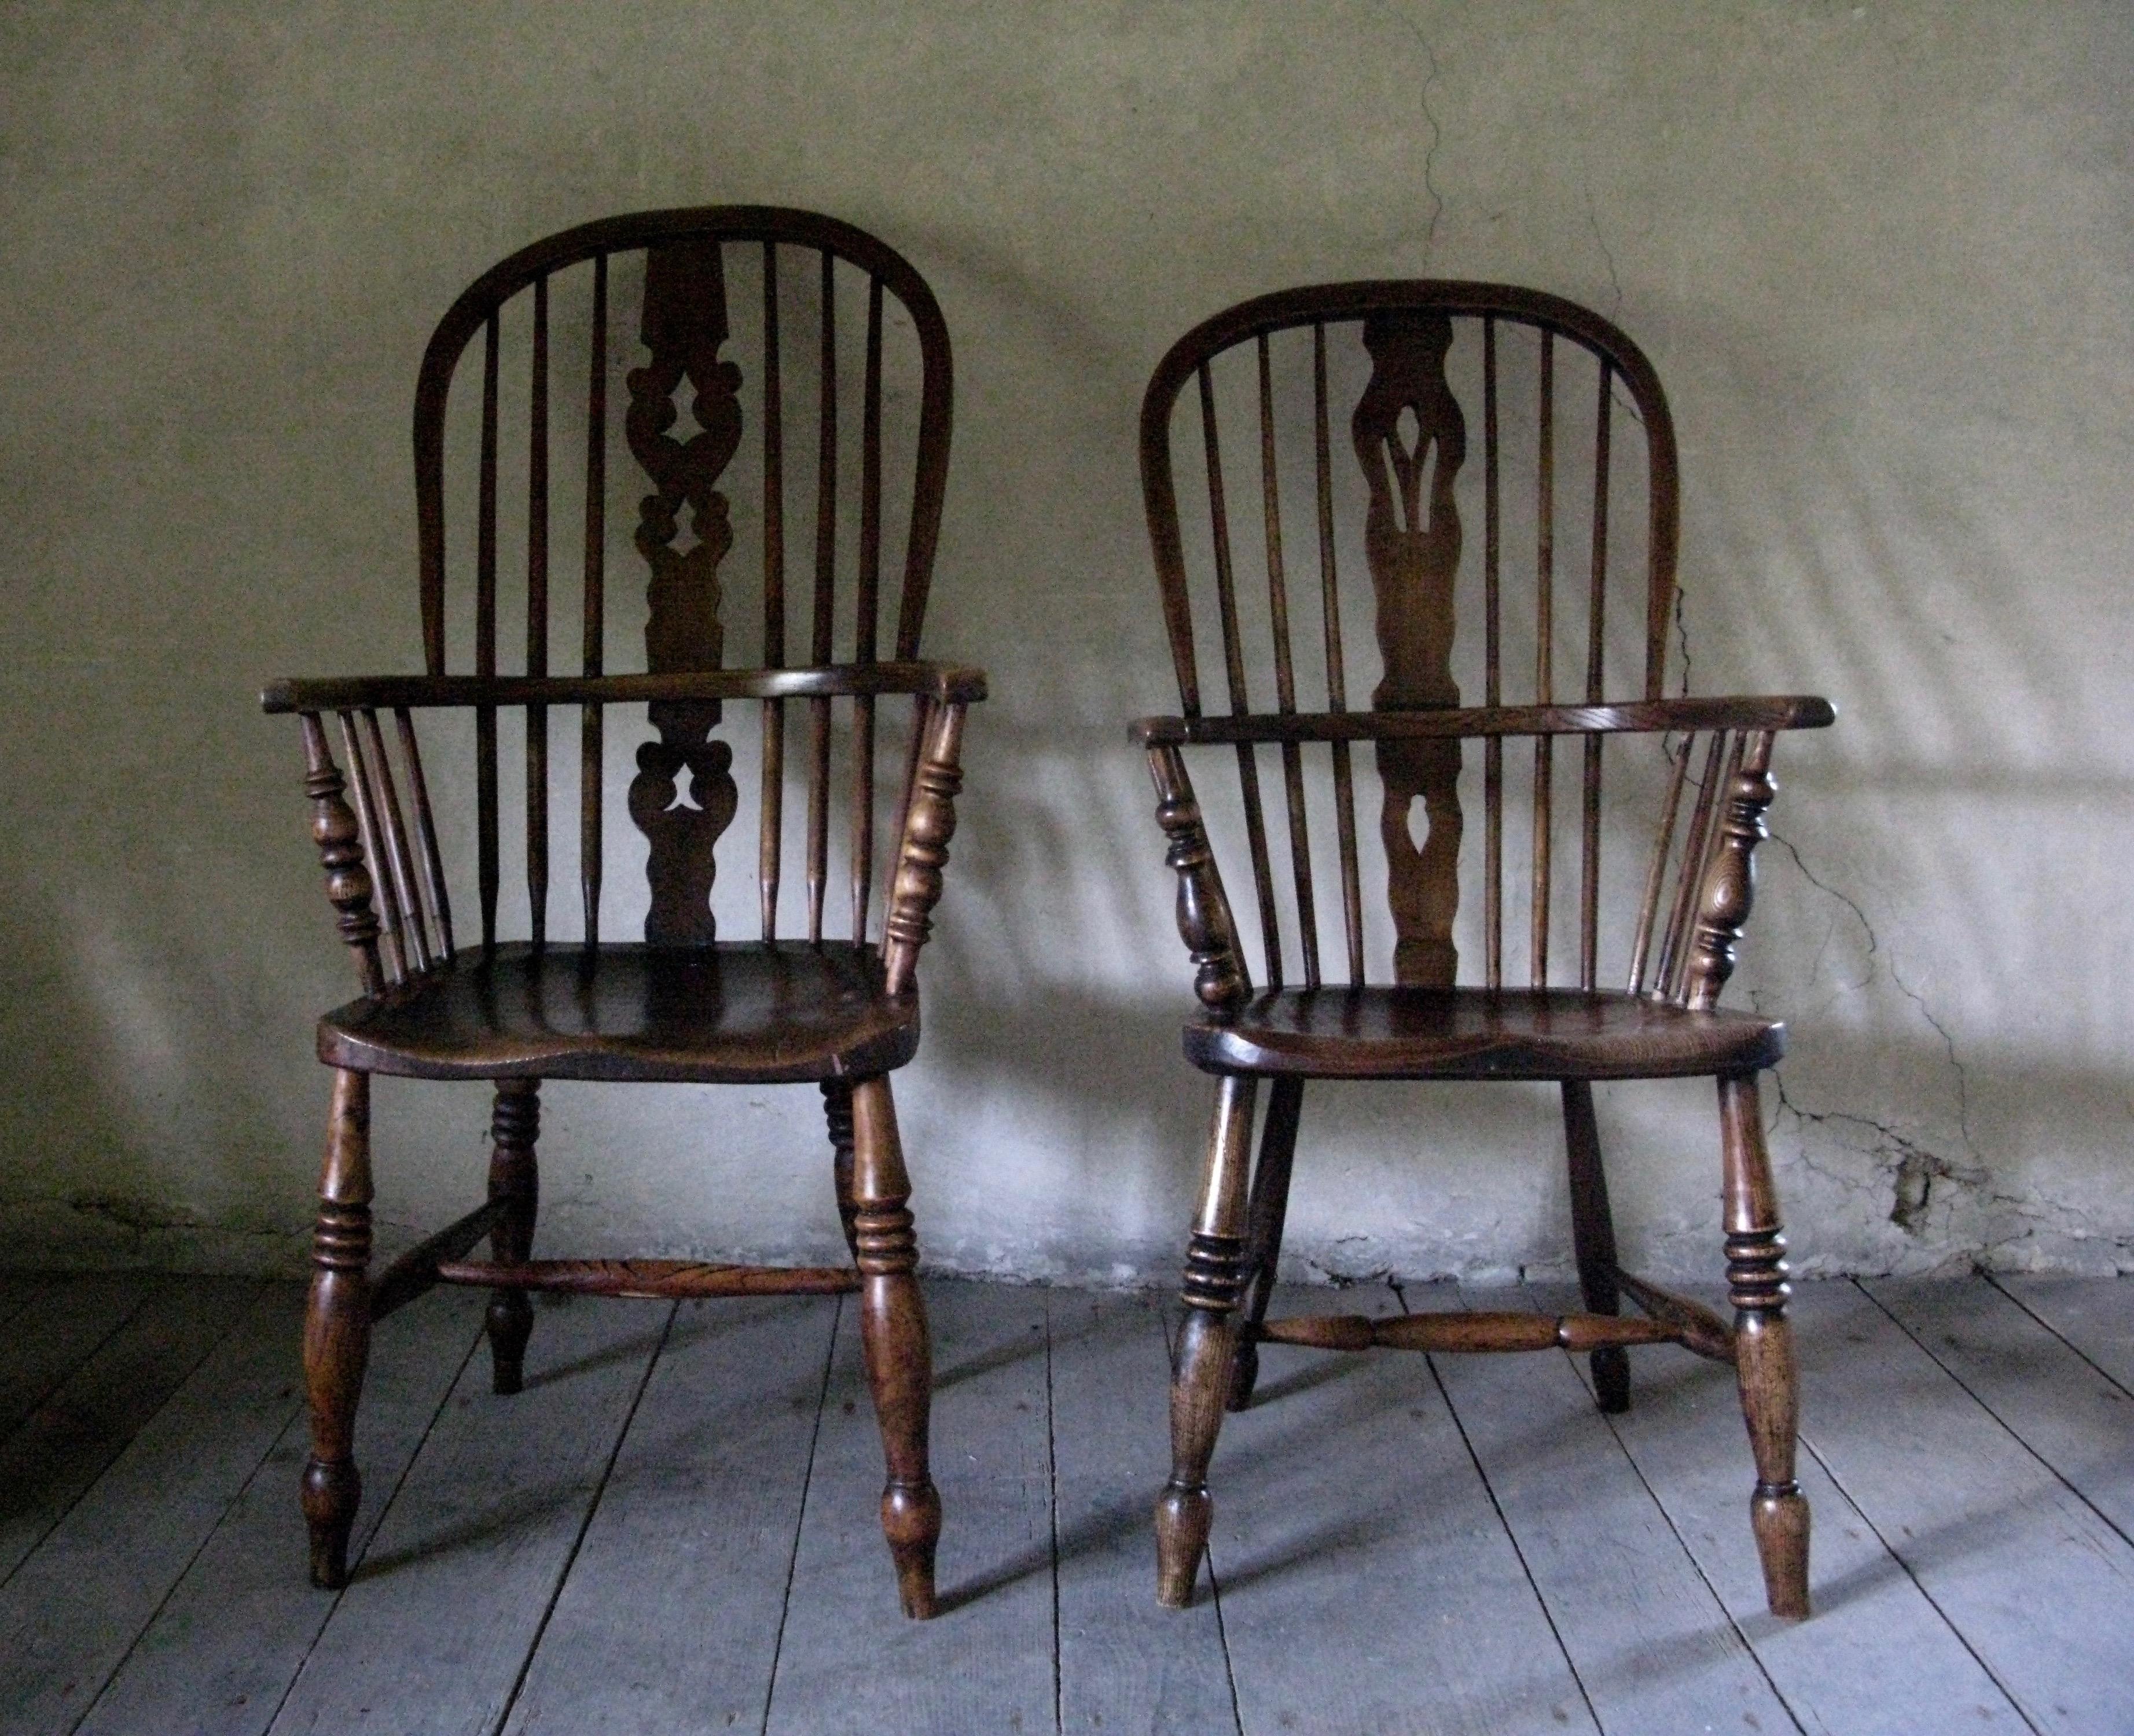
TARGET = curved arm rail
x,y
950,683
1774,712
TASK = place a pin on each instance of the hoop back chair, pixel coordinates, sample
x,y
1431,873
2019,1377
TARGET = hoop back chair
x,y
1408,439
682,1005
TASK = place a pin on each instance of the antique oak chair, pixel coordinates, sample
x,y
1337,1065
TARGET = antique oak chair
x,y
1408,435
685,1005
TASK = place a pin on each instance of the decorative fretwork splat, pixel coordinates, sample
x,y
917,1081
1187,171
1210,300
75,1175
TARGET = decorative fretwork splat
x,y
684,327
1407,430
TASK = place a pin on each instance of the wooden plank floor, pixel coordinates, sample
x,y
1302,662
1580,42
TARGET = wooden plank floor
x,y
673,1529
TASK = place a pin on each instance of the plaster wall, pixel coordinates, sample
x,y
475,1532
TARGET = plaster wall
x,y
1879,253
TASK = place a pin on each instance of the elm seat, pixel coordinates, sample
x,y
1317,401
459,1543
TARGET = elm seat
x,y
1394,1033
788,1012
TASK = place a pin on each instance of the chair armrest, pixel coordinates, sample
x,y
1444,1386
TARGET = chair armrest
x,y
922,846
948,683
1781,712
1205,923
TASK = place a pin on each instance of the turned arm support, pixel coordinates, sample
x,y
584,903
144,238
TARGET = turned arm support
x,y
339,840
1205,923
922,850
1728,889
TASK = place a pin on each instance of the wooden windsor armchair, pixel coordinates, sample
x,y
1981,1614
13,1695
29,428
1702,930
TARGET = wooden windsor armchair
x,y
1408,435
684,1004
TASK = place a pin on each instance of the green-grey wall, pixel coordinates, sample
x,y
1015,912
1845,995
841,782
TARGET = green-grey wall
x,y
1880,253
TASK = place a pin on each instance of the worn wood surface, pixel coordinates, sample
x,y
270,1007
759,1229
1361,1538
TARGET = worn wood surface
x,y
1874,1628
1367,1583
2037,1583
847,1659
1655,1647
1124,1665
708,1485
1383,1560
230,1637
78,1312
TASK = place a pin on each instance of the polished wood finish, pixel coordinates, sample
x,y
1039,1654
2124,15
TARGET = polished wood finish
x,y
1409,435
839,1011
676,1280
337,1328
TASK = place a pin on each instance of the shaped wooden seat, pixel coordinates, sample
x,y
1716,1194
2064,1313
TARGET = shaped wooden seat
x,y
795,1006
1396,357
735,1013
1380,1032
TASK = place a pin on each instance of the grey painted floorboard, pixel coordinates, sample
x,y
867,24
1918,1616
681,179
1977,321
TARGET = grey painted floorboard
x,y
70,1615
1652,1646
669,1619
432,1634
1877,1656
1366,1584
848,1659
2061,1408
2096,1316
1126,1665
2037,1583
224,1646
60,1330
18,1290
85,1424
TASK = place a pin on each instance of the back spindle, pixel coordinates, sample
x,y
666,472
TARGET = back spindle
x,y
591,718
485,641
1233,666
770,840
426,834
868,602
825,600
1544,637
407,885
1493,749
1337,681
1694,846
1588,880
1656,868
537,621
1285,679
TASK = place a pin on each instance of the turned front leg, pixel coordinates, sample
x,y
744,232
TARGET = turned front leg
x,y
1201,1379
515,1178
1763,1347
893,1334
337,1328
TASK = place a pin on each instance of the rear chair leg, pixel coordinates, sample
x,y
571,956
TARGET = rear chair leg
x,y
1763,1347
893,1335
1263,1227
1593,1239
514,1178
337,1328
838,1110
1201,1379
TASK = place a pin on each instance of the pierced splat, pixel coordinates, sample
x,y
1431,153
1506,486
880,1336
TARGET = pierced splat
x,y
684,327
1407,430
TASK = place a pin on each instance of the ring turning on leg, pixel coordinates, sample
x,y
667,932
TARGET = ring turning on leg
x,y
1201,1379
337,1328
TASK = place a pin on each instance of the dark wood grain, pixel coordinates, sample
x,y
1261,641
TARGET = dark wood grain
x,y
684,1007
1409,433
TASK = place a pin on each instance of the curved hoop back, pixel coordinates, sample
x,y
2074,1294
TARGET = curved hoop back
x,y
1410,441
685,530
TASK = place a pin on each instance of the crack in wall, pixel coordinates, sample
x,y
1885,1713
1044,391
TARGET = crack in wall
x,y
1436,133
1607,254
